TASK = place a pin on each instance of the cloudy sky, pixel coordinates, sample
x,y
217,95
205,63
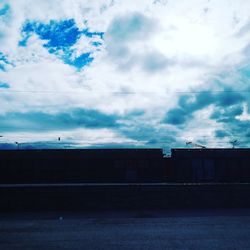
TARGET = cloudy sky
x,y
115,73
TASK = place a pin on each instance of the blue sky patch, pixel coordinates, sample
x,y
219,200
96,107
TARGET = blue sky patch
x,y
60,37
78,62
59,34
82,60
87,33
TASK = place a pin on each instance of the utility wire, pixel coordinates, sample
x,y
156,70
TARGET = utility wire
x,y
133,140
122,92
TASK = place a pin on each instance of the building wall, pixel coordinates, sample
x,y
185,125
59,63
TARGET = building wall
x,y
184,166
211,165
81,166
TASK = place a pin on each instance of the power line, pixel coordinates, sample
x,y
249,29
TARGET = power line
x,y
133,140
122,92
9,129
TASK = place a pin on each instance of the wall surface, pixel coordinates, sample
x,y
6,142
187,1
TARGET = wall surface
x,y
123,196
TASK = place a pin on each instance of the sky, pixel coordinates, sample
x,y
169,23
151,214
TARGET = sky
x,y
114,73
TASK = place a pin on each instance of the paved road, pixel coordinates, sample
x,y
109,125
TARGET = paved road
x,y
227,229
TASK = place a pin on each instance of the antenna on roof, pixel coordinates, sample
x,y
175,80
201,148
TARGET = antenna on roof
x,y
234,143
18,145
195,144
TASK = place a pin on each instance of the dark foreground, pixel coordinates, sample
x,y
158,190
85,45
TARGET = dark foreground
x,y
138,229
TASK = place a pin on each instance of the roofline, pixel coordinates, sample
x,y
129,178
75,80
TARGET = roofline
x,y
84,149
204,149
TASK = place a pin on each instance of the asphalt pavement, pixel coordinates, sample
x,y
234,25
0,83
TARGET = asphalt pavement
x,y
126,230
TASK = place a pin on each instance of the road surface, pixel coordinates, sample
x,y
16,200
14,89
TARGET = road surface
x,y
127,230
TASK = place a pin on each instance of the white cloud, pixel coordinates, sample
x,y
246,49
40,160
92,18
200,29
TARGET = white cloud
x,y
245,116
77,137
85,45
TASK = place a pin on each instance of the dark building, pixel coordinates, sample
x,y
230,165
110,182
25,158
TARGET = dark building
x,y
82,165
124,165
210,165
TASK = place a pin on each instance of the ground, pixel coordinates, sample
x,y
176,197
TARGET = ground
x,y
126,230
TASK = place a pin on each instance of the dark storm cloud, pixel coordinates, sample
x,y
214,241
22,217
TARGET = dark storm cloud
x,y
227,107
221,134
189,104
176,116
235,129
228,117
138,127
150,136
228,98
227,114
75,118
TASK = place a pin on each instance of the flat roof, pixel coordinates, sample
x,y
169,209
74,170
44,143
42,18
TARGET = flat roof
x,y
210,152
85,153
